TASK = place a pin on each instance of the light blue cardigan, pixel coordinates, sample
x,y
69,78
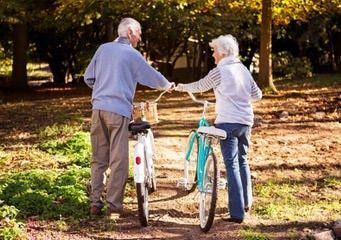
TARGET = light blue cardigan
x,y
113,74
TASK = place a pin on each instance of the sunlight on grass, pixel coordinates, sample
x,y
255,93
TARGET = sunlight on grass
x,y
252,234
77,148
28,158
297,202
48,194
60,130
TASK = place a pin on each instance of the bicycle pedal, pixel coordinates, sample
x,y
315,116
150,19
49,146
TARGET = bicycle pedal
x,y
182,183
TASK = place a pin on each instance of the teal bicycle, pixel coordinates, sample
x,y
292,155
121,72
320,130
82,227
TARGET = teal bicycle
x,y
201,167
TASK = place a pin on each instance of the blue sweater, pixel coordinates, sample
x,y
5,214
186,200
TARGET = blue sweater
x,y
113,74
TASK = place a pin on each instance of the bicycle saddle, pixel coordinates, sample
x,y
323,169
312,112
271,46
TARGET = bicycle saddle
x,y
212,131
138,126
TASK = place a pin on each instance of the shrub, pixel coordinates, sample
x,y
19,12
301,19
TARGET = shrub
x,y
46,193
286,65
10,228
77,148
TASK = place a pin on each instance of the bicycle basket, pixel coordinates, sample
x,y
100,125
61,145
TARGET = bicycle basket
x,y
145,111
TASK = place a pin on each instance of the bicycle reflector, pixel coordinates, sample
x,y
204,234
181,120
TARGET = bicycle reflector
x,y
137,160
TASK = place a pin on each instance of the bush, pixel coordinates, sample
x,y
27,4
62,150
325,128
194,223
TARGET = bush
x,y
285,65
10,228
77,148
46,193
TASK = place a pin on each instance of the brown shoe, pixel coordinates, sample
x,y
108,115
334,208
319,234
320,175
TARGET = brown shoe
x,y
118,212
95,211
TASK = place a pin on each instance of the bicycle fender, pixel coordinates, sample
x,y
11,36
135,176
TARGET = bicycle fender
x,y
139,162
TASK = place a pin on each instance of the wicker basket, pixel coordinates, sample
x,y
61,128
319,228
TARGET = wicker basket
x,y
146,111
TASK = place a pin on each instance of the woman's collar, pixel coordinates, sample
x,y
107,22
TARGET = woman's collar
x,y
228,60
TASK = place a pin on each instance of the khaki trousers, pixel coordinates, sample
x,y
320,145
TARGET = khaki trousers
x,y
109,140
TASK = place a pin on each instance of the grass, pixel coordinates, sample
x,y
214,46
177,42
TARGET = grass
x,y
298,201
48,180
316,81
252,234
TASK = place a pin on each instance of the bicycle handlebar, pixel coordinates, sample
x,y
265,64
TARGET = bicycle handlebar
x,y
172,87
205,102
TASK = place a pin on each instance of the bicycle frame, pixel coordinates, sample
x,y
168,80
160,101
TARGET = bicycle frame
x,y
144,150
204,149
204,144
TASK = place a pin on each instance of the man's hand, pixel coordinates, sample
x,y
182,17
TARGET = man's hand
x,y
172,87
180,87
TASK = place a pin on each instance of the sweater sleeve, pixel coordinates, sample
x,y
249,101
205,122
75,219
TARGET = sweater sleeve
x,y
211,80
256,93
148,76
90,72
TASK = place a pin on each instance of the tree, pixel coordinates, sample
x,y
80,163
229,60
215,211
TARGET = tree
x,y
20,47
265,71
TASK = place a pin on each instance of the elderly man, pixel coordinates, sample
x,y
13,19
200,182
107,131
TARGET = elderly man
x,y
113,74
234,88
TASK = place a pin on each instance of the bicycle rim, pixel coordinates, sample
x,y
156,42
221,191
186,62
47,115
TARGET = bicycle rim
x,y
142,202
192,162
208,197
152,182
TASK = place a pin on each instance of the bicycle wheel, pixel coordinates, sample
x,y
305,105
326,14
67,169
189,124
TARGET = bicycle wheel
x,y
191,161
208,197
152,187
142,202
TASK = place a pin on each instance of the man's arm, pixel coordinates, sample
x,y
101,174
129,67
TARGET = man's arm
x,y
148,76
90,72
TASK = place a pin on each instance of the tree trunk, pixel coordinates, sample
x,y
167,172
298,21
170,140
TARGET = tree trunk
x,y
110,30
20,46
265,67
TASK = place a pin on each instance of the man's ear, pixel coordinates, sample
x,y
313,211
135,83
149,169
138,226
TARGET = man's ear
x,y
130,32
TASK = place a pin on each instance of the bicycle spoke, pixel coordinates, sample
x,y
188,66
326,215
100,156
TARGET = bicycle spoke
x,y
208,196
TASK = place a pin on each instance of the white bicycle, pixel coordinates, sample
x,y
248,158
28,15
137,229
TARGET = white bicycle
x,y
144,155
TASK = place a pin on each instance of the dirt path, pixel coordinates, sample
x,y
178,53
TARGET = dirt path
x,y
297,136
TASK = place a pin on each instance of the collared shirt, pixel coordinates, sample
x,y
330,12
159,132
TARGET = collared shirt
x,y
113,74
234,88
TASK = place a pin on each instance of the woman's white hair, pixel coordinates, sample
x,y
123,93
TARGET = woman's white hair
x,y
126,24
226,44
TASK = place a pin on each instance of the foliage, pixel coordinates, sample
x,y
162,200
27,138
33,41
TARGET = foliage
x,y
47,193
10,228
287,201
285,65
5,66
251,234
60,131
76,149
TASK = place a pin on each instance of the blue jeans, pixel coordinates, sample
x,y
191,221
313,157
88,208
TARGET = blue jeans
x,y
234,149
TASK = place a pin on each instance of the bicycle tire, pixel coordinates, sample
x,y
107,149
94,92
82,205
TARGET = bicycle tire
x,y
208,197
142,202
192,162
153,182
152,187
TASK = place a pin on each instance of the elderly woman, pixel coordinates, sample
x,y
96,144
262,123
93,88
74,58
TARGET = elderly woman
x,y
234,88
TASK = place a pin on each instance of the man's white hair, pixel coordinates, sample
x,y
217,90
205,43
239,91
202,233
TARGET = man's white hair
x,y
226,44
127,23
